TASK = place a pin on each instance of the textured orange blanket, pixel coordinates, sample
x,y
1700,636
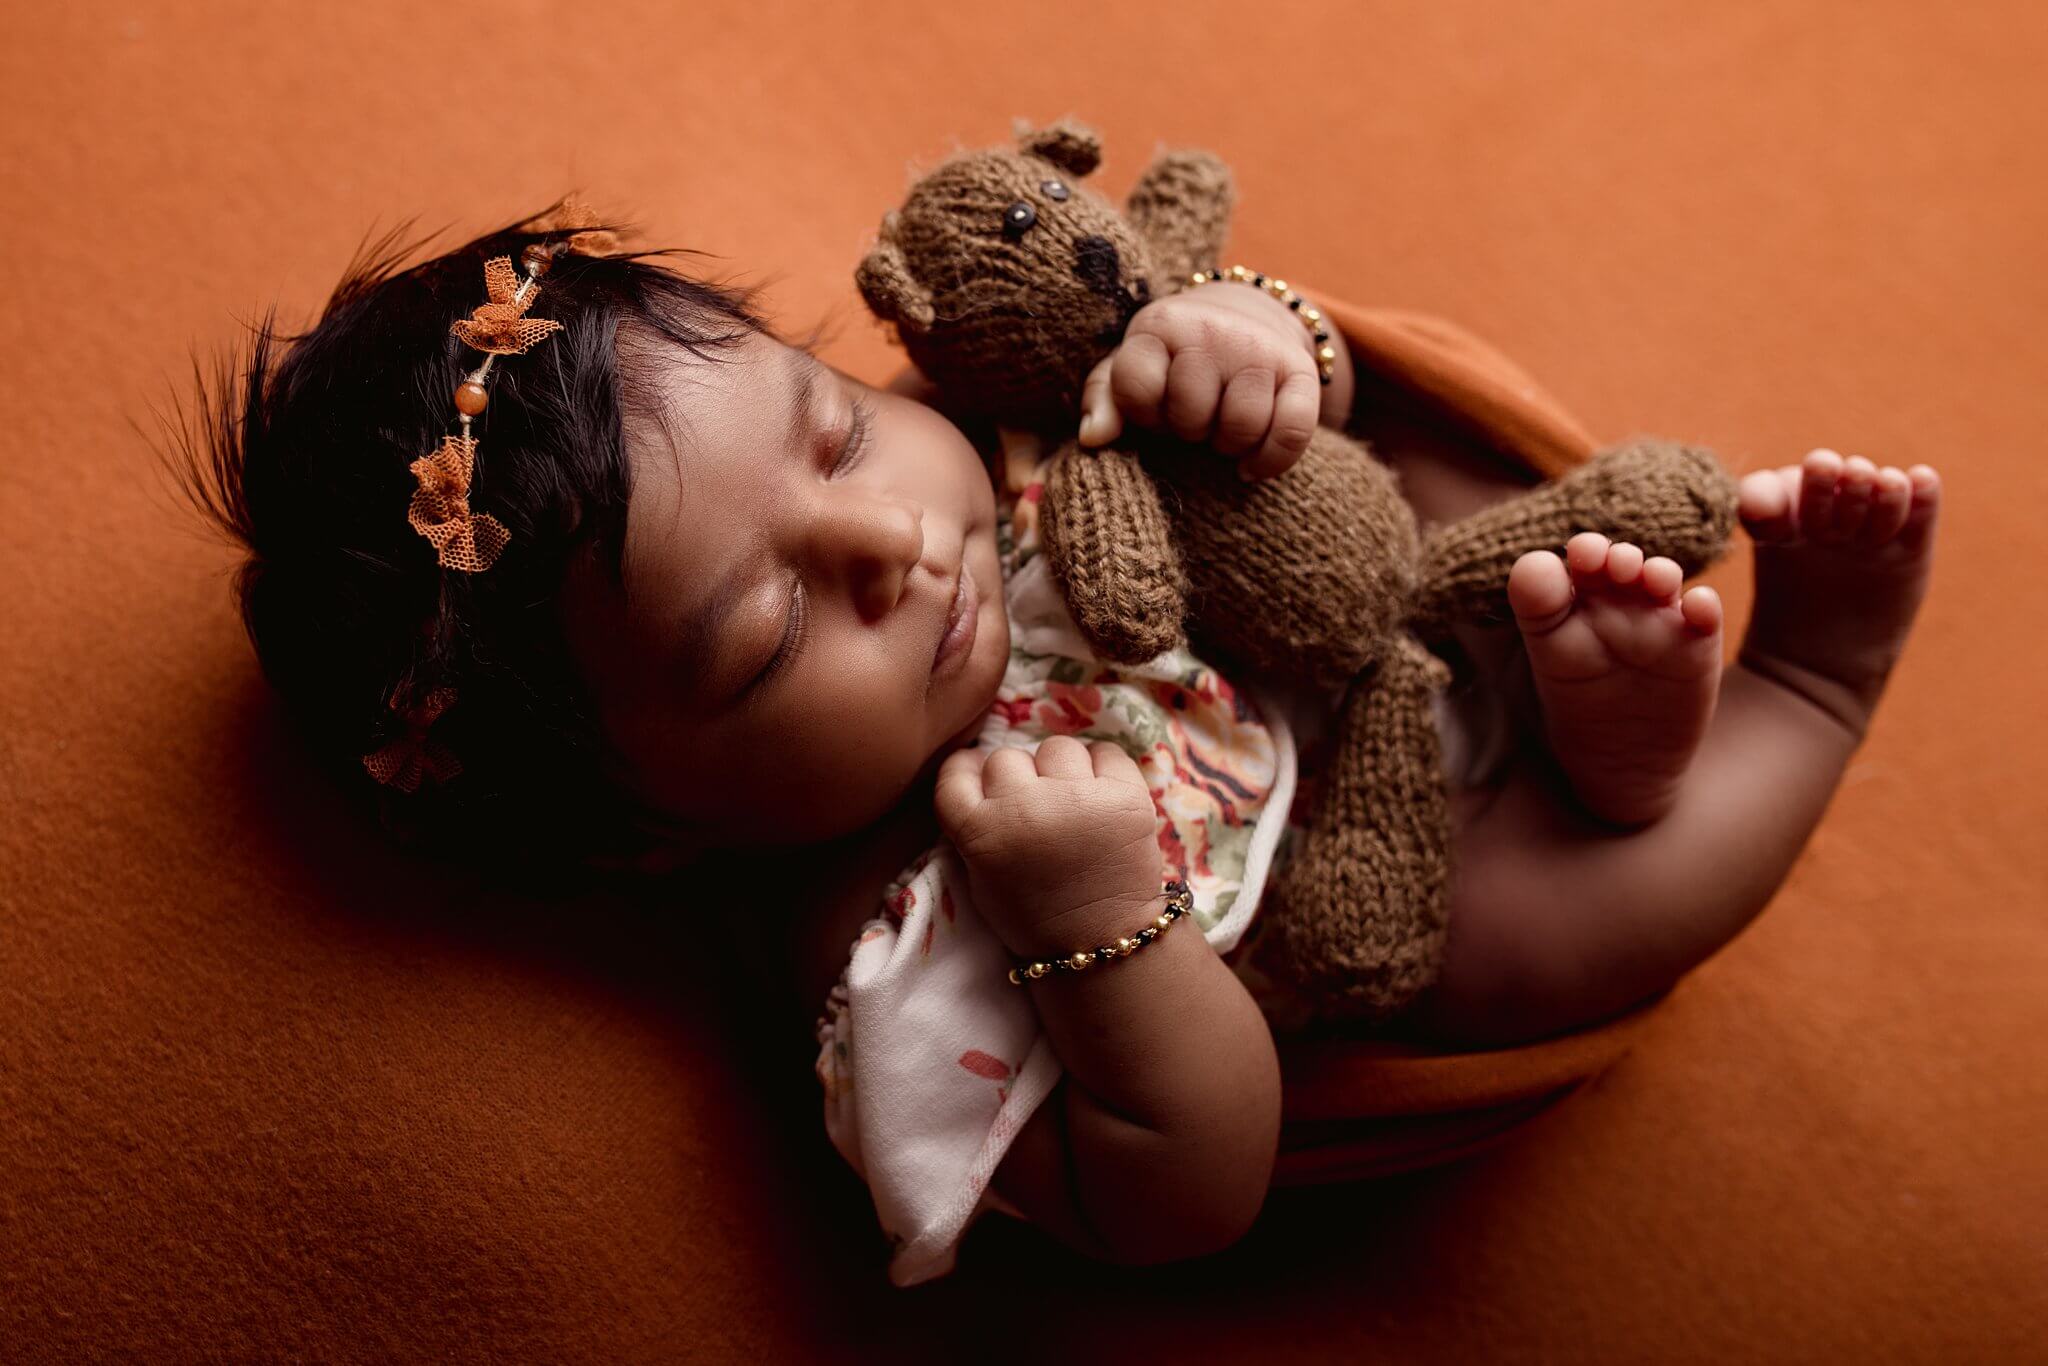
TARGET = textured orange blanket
x,y
269,1092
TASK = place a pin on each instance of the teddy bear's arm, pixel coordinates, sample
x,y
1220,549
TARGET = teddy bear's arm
x,y
1181,207
1109,542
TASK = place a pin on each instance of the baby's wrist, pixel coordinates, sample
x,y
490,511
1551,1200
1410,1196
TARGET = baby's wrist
x,y
1096,924
1337,394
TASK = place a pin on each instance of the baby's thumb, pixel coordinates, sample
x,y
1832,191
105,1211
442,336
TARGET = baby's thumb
x,y
1100,421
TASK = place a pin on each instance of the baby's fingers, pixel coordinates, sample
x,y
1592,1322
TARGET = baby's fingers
x,y
1246,412
1111,760
1296,411
1009,770
1128,382
1062,756
958,788
1194,391
1101,423
1137,378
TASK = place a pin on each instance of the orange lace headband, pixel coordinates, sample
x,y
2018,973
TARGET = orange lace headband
x,y
440,508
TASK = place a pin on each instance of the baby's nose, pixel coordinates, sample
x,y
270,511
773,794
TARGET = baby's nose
x,y
882,541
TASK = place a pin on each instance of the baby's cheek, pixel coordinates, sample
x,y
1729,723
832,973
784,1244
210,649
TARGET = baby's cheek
x,y
845,762
984,675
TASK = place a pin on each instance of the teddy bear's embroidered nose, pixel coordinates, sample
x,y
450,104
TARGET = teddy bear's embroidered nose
x,y
1095,261
1098,266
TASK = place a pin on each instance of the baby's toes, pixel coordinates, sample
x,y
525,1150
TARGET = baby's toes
x,y
1565,644
1852,497
1819,475
1540,592
1701,608
1891,499
1624,568
1586,556
1661,578
1599,565
1675,638
1768,501
1926,503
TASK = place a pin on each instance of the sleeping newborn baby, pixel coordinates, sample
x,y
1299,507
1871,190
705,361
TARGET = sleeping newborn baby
x,y
740,605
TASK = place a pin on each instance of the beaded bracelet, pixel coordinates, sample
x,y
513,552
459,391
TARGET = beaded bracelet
x,y
1180,901
1311,317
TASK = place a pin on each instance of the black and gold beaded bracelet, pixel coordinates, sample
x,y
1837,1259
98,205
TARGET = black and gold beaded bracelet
x,y
1311,317
1180,901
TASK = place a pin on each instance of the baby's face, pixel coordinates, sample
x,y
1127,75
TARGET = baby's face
x,y
813,610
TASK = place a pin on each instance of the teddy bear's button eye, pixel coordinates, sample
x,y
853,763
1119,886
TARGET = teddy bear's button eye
x,y
1018,217
1054,190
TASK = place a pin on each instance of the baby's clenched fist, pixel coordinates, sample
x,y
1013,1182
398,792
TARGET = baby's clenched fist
x,y
1228,366
1056,843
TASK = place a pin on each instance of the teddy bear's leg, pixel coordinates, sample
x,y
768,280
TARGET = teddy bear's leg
x,y
1358,911
1307,575
1667,498
1107,539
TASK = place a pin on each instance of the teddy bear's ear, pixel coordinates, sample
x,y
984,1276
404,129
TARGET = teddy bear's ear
x,y
1066,144
891,290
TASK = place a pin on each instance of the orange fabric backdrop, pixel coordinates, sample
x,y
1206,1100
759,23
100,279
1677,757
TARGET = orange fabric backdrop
x,y
265,1089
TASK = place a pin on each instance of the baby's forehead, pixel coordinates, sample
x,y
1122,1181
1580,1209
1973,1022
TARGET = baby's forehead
x,y
668,391
685,414
704,442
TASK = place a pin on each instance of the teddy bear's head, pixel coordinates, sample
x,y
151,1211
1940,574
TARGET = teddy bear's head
x,y
1006,278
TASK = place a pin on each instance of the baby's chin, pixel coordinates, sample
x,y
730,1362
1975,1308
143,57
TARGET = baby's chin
x,y
965,735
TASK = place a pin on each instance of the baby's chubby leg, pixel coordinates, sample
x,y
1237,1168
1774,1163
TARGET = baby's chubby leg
x,y
1559,918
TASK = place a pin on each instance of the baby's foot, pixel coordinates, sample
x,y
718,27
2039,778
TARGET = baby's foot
x,y
1843,550
1626,669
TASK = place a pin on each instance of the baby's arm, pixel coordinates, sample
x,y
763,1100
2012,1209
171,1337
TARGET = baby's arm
x,y
1159,1142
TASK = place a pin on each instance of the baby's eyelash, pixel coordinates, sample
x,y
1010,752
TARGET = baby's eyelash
x,y
858,437
792,641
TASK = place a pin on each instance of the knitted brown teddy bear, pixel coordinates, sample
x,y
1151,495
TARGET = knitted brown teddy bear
x,y
1007,281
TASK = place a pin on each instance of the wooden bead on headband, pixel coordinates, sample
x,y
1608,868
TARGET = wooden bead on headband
x,y
1311,317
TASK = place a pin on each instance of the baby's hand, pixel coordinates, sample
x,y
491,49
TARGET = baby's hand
x,y
1061,847
1224,364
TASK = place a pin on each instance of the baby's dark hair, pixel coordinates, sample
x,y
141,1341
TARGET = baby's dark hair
x,y
300,451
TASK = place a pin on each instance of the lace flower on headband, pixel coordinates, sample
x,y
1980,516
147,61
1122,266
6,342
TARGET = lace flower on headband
x,y
575,217
464,541
500,326
415,755
440,509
